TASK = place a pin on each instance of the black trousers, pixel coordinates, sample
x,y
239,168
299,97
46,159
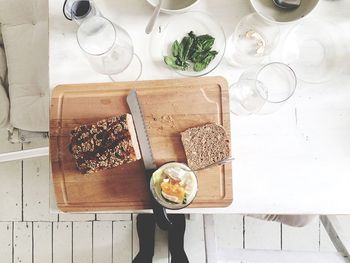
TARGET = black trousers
x,y
145,229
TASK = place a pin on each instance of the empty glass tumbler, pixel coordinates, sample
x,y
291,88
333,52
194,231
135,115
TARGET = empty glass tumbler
x,y
108,47
262,90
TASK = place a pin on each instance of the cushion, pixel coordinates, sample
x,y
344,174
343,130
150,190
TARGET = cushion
x,y
4,101
4,107
25,36
1,43
3,67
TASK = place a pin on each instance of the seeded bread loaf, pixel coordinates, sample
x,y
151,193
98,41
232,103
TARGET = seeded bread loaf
x,y
104,144
205,145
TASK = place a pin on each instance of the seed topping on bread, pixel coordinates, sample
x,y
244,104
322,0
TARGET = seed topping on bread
x,y
104,144
205,145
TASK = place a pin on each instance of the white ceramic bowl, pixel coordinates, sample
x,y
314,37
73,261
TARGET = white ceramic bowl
x,y
268,10
174,6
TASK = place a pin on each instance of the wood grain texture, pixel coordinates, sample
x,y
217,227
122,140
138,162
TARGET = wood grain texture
x,y
169,107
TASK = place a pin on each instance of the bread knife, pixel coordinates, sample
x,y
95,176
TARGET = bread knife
x,y
147,156
141,131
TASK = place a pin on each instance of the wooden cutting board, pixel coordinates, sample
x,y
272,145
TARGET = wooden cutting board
x,y
169,107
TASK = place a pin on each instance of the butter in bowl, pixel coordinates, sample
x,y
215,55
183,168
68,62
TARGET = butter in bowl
x,y
174,185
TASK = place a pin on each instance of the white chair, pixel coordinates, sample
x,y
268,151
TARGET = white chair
x,y
24,86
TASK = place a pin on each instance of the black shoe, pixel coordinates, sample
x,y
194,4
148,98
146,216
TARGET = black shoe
x,y
145,229
179,258
142,259
176,239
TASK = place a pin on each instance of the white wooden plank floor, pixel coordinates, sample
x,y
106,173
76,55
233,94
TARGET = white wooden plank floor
x,y
6,232
62,242
122,241
42,242
30,233
22,244
82,242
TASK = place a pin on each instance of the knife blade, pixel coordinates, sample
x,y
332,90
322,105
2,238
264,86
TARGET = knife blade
x,y
141,131
159,211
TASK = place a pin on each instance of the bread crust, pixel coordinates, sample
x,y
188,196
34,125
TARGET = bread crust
x,y
104,144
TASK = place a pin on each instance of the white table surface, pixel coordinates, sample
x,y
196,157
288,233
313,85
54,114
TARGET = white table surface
x,y
294,161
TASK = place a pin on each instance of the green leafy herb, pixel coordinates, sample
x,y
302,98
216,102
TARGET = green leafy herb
x,y
172,62
193,51
175,48
199,66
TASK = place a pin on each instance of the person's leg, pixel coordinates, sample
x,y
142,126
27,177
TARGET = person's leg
x,y
145,229
291,220
176,239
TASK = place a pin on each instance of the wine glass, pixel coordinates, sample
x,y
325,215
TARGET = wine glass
x,y
252,41
262,90
107,46
315,49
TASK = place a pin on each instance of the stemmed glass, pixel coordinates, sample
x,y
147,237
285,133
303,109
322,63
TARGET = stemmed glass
x,y
252,41
262,90
107,46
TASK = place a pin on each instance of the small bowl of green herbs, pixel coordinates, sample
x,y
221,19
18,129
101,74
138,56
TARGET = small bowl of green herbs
x,y
193,44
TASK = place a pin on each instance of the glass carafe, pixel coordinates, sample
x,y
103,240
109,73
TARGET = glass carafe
x,y
107,46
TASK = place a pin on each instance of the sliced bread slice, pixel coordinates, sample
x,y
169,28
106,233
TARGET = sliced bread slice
x,y
205,145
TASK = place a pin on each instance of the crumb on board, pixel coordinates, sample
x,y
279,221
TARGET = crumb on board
x,y
164,121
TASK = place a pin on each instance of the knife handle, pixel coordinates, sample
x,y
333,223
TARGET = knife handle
x,y
159,211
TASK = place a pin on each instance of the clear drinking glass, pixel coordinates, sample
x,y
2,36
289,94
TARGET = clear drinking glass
x,y
79,10
252,41
262,90
314,48
107,46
